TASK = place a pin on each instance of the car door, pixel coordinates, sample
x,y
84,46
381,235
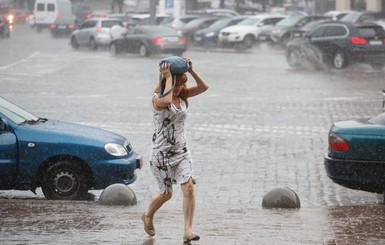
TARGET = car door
x,y
330,38
134,39
85,31
8,156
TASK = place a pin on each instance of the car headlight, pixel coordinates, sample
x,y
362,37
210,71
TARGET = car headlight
x,y
115,149
210,34
276,31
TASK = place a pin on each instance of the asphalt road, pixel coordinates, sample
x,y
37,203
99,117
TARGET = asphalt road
x,y
261,125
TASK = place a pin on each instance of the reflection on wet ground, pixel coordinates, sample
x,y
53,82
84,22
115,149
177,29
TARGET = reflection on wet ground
x,y
86,222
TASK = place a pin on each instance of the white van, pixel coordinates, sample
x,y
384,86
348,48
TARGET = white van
x,y
47,11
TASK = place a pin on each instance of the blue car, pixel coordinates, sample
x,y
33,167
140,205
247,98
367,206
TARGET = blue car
x,y
356,154
64,159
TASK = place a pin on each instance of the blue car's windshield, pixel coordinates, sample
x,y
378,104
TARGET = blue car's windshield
x,y
15,113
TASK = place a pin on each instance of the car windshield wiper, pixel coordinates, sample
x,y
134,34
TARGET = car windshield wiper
x,y
40,119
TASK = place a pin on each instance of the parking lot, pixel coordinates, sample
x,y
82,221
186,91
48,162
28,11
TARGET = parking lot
x,y
260,126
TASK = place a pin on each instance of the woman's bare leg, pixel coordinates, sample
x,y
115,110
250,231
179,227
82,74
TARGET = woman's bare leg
x,y
156,202
188,206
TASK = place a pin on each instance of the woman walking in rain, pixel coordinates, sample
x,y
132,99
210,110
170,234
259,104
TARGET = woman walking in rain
x,y
170,160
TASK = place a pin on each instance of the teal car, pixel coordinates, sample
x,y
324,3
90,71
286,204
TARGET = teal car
x,y
356,154
64,159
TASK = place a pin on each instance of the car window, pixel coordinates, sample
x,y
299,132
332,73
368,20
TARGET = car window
x,y
50,7
335,31
40,7
370,32
89,24
319,32
111,23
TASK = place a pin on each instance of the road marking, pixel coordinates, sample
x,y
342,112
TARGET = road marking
x,y
20,61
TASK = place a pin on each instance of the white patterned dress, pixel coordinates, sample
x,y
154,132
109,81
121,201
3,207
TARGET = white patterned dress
x,y
170,159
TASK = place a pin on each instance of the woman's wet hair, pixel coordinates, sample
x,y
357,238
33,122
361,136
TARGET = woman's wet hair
x,y
180,79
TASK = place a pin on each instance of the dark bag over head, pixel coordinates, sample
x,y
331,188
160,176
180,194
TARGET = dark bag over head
x,y
178,66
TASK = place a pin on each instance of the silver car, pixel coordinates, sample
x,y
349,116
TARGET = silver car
x,y
94,33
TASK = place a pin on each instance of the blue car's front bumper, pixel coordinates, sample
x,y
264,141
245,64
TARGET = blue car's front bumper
x,y
360,175
120,170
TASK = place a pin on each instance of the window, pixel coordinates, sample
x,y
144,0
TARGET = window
x,y
40,7
320,32
51,7
335,31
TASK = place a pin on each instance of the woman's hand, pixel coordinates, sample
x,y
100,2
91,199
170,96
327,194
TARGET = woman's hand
x,y
189,62
165,70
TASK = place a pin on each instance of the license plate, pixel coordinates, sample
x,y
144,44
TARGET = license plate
x,y
172,39
198,38
297,35
377,42
263,38
62,27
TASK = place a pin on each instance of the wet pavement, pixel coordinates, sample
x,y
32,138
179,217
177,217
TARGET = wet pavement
x,y
81,222
260,126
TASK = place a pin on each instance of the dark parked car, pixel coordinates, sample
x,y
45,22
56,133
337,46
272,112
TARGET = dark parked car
x,y
64,159
148,40
280,33
362,17
5,30
190,28
210,34
63,26
342,43
356,156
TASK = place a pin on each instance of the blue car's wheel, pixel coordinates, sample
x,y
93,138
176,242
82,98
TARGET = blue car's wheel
x,y
64,180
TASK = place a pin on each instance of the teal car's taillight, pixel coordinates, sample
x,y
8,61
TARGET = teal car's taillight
x,y
337,143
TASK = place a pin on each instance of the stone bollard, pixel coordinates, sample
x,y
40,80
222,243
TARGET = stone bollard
x,y
281,198
117,195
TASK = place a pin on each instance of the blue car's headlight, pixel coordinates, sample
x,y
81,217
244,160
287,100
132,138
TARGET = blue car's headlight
x,y
115,149
210,34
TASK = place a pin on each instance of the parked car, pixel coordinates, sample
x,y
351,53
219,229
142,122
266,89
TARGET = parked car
x,y
178,22
145,19
342,43
305,30
356,158
215,12
63,25
210,34
280,33
5,30
64,159
337,14
246,32
148,40
193,26
361,17
94,33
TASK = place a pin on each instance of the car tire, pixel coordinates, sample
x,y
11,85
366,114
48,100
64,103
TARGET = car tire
x,y
93,45
377,66
284,40
339,60
143,50
74,43
64,180
293,57
249,41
